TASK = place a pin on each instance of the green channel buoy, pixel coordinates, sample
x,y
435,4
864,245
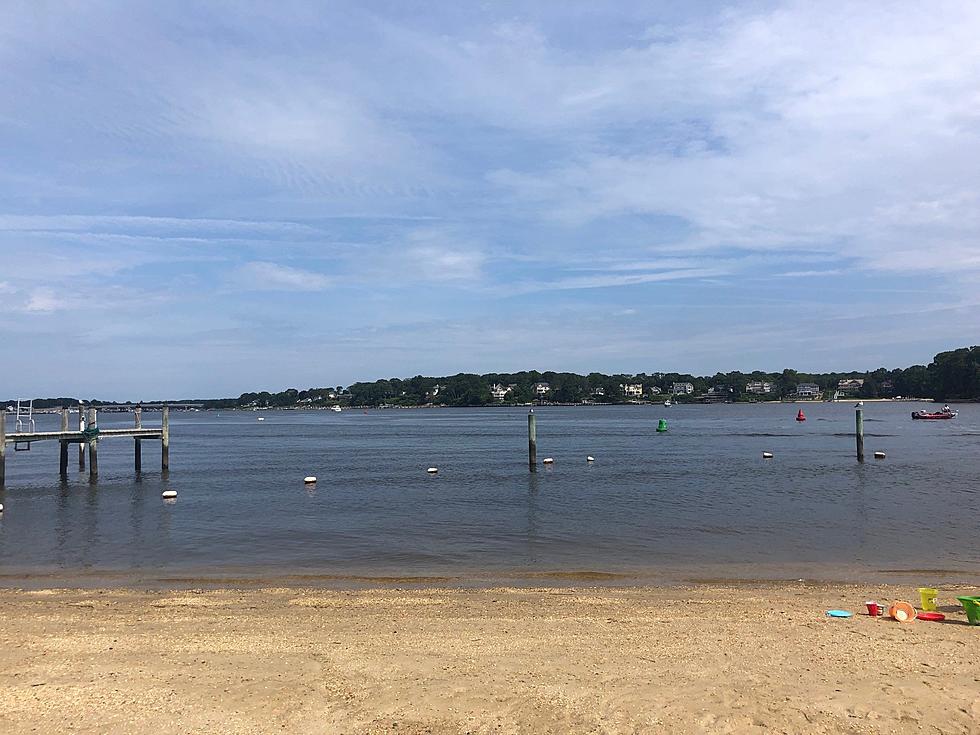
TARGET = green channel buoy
x,y
662,426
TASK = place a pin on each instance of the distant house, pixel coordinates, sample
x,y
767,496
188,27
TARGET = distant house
x,y
435,391
655,391
807,392
499,392
632,390
682,389
599,392
758,387
849,386
541,389
716,394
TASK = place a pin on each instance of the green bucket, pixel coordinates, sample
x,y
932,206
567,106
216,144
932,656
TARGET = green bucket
x,y
972,607
662,426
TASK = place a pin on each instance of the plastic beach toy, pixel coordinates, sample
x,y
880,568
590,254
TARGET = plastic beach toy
x,y
839,613
937,616
972,607
902,612
927,596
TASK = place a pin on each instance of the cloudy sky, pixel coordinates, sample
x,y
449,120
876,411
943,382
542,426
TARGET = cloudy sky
x,y
199,199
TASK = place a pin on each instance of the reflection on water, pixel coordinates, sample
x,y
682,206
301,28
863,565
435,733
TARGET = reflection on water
x,y
698,497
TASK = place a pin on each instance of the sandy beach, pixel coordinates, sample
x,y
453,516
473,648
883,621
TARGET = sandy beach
x,y
726,658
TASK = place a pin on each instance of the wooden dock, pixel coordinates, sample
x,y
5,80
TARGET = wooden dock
x,y
87,436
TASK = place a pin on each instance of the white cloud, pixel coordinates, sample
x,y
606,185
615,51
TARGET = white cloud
x,y
259,275
43,301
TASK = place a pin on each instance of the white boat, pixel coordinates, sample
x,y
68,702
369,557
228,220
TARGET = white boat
x,y
668,403
335,408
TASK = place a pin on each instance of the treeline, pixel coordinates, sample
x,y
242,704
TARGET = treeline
x,y
952,375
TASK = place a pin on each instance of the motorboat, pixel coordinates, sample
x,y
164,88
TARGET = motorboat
x,y
946,413
335,408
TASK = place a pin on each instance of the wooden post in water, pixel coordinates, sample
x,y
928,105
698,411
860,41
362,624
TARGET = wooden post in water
x,y
81,445
3,445
859,432
532,441
165,441
63,464
93,445
138,456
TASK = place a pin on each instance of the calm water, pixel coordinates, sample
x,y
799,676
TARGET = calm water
x,y
696,501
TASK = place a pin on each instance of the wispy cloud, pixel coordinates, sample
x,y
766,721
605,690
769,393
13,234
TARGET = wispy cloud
x,y
274,277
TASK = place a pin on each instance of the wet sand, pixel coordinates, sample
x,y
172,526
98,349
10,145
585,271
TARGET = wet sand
x,y
729,658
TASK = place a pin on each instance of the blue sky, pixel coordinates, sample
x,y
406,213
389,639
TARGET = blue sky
x,y
200,199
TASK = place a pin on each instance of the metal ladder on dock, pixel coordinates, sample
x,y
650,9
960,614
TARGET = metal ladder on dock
x,y
24,412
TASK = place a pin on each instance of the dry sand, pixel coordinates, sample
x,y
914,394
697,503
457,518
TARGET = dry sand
x,y
707,658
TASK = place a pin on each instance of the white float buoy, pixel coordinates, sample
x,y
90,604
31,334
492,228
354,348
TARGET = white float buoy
x,y
1,507
261,418
879,455
590,458
767,455
168,494
309,480
548,460
432,470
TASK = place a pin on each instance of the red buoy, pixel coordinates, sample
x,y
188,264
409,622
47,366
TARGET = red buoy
x,y
800,416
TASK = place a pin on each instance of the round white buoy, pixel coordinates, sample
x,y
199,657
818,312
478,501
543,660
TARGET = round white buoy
x,y
548,460
261,418
432,470
1,507
767,455
309,480
590,458
879,455
168,494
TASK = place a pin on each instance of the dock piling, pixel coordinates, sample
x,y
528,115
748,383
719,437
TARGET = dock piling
x,y
81,445
93,445
3,445
532,441
859,432
63,464
165,441
138,451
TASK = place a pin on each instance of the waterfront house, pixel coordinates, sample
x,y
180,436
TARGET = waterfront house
x,y
499,392
682,389
632,390
598,392
758,387
655,391
541,389
849,386
807,392
717,394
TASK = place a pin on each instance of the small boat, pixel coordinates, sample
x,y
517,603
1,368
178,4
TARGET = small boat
x,y
946,413
668,403
335,408
801,416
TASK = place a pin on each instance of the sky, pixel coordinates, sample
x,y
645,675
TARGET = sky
x,y
201,199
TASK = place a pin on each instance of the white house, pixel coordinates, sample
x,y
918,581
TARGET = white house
x,y
654,391
682,389
500,392
808,391
632,390
599,392
541,389
759,387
